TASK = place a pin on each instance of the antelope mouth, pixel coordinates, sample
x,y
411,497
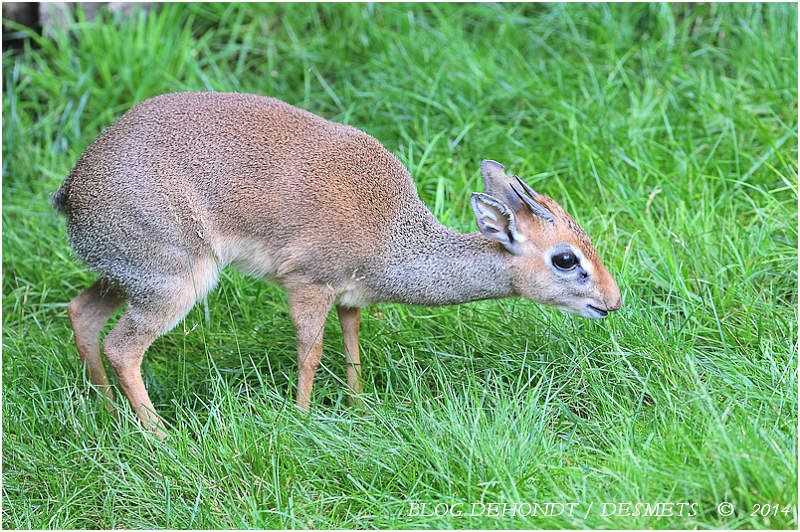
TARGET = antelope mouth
x,y
595,312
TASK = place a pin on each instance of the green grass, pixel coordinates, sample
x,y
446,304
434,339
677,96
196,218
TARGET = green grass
x,y
668,131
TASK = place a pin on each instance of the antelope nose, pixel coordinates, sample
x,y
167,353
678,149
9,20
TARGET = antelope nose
x,y
615,303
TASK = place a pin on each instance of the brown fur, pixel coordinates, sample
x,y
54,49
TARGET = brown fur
x,y
186,184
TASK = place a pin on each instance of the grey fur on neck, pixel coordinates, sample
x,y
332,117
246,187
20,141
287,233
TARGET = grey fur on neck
x,y
430,264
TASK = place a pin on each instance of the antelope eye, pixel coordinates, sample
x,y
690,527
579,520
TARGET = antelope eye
x,y
565,260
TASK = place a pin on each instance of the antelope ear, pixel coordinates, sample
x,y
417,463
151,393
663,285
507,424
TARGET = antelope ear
x,y
497,221
492,171
497,184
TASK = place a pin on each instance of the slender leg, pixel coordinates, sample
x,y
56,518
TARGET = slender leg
x,y
88,312
309,307
350,320
125,346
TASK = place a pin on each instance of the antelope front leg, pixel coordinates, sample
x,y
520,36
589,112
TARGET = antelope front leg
x,y
350,319
309,307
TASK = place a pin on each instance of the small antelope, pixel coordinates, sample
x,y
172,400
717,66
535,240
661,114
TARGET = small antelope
x,y
185,184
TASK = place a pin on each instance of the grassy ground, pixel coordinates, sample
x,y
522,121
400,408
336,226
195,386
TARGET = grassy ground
x,y
668,131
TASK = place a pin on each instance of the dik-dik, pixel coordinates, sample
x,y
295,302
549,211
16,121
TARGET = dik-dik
x,y
186,184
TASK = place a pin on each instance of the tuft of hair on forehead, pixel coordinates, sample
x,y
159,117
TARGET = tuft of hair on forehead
x,y
564,221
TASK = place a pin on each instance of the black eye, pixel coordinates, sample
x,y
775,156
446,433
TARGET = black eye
x,y
565,260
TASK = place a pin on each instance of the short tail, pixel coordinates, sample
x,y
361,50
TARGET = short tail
x,y
59,199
